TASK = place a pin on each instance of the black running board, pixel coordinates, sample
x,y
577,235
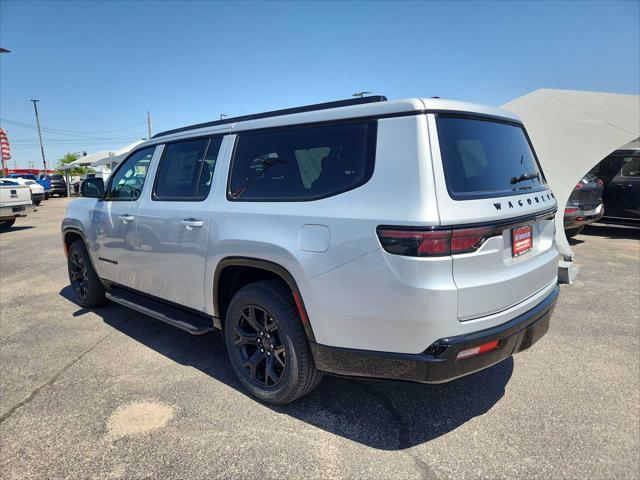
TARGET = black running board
x,y
185,320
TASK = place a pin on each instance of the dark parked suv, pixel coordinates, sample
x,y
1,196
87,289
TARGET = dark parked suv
x,y
58,185
584,205
620,173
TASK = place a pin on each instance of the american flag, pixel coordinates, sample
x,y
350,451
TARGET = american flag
x,y
4,144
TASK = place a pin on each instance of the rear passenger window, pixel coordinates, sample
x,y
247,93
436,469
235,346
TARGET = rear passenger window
x,y
186,170
303,163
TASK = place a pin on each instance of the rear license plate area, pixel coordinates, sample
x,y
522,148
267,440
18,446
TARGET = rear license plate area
x,y
521,240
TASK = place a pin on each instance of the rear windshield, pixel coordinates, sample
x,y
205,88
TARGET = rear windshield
x,y
56,177
485,158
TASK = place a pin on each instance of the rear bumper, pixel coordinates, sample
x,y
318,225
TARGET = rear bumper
x,y
439,362
16,211
582,217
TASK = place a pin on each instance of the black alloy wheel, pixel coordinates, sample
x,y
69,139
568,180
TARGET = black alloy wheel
x,y
259,343
267,343
84,280
78,274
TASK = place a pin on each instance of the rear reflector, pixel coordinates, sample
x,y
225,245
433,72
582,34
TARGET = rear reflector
x,y
433,243
479,350
571,209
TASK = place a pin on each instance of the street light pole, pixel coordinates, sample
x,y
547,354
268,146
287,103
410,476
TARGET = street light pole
x,y
149,125
35,107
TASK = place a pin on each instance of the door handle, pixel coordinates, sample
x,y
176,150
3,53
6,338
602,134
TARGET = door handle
x,y
191,223
127,218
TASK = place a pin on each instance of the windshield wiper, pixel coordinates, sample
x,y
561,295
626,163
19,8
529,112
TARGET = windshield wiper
x,y
523,177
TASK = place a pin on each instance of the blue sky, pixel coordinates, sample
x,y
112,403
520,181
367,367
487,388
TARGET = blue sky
x,y
97,67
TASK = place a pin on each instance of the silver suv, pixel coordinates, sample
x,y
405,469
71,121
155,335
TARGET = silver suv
x,y
409,239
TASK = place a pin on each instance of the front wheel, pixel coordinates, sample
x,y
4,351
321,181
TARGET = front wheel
x,y
84,279
267,344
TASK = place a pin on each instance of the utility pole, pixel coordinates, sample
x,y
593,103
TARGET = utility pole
x,y
35,107
149,124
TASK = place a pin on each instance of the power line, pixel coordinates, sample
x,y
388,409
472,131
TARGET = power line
x,y
70,132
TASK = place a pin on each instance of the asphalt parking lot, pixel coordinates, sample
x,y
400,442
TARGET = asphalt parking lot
x,y
110,393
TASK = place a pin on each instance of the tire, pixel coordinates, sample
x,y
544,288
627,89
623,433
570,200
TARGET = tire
x,y
279,333
570,233
46,196
83,278
7,224
36,202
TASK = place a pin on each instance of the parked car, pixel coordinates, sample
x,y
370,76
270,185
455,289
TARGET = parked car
x,y
584,205
58,185
620,173
15,202
42,180
409,239
37,190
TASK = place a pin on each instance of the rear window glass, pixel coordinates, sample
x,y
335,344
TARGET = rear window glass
x,y
483,158
56,177
302,163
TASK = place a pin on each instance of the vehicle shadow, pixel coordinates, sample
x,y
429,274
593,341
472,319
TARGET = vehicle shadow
x,y
380,414
612,231
16,229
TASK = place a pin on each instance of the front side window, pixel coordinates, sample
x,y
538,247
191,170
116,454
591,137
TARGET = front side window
x,y
302,163
484,158
186,169
127,182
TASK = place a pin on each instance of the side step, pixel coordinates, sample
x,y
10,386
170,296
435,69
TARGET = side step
x,y
191,322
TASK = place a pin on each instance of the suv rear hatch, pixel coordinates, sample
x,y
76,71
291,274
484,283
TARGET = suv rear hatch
x,y
494,198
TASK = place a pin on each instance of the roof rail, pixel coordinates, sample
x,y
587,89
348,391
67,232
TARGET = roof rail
x,y
277,113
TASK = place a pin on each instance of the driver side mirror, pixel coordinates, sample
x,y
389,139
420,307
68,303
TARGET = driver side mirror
x,y
92,188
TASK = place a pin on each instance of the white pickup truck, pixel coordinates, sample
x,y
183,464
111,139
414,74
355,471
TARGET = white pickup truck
x,y
15,201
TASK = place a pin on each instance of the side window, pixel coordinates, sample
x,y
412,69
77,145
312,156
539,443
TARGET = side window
x,y
186,169
127,182
302,163
630,167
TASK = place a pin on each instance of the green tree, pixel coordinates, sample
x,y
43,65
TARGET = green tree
x,y
69,158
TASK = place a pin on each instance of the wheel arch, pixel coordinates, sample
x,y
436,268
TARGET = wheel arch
x,y
70,235
234,266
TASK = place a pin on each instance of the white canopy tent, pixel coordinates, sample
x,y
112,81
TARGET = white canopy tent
x,y
102,158
572,131
115,156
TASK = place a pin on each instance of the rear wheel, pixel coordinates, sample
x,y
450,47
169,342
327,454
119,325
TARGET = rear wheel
x,y
84,279
7,224
37,202
267,344
570,233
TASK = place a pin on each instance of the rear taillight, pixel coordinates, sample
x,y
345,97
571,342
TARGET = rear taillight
x,y
600,182
579,185
433,243
571,210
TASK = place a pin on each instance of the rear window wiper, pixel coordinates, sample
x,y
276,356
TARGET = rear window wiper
x,y
523,177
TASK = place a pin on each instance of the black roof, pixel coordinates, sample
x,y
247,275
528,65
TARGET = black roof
x,y
277,113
